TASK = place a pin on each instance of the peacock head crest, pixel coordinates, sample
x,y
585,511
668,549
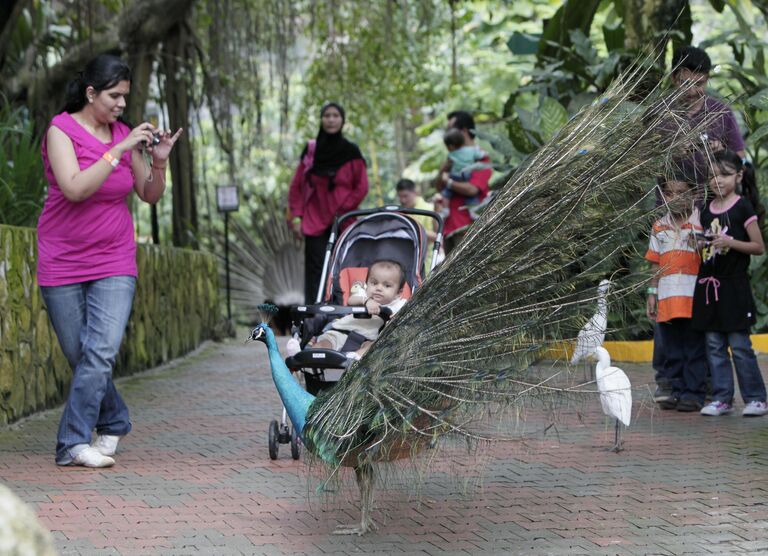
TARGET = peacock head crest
x,y
266,312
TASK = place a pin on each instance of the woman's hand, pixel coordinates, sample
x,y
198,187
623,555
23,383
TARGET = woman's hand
x,y
295,225
162,150
139,136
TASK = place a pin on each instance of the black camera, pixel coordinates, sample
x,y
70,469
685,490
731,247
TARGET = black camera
x,y
155,140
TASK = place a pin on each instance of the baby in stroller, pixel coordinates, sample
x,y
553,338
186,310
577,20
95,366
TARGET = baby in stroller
x,y
383,288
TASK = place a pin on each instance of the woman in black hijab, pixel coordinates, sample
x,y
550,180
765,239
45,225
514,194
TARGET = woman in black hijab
x,y
330,180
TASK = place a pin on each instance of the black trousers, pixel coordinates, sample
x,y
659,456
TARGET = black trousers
x,y
314,255
452,242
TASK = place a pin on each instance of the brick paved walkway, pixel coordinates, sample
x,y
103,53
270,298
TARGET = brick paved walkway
x,y
194,478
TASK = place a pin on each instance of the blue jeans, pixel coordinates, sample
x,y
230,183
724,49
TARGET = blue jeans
x,y
748,374
685,359
90,319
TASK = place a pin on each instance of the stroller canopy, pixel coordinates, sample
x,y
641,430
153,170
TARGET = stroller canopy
x,y
383,235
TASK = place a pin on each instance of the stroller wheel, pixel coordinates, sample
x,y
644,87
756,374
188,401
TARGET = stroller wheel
x,y
294,444
274,434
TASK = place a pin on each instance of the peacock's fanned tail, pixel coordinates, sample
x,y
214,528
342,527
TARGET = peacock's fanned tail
x,y
523,279
266,260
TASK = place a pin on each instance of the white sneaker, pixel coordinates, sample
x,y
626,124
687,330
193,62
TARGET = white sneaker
x,y
715,409
755,409
106,444
91,457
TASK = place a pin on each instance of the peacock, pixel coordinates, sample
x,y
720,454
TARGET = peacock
x,y
521,281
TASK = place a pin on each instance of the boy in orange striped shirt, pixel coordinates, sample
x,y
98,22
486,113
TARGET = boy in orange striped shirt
x,y
675,261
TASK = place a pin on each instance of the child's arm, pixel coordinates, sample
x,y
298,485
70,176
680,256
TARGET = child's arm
x,y
372,306
754,246
651,303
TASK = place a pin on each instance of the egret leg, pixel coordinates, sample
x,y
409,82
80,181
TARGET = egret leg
x,y
365,478
618,444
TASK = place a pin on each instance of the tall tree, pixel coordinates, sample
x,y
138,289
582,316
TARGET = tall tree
x,y
176,56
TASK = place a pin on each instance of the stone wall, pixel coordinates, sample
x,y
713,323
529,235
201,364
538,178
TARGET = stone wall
x,y
174,310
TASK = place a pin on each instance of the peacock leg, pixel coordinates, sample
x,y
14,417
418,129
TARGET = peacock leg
x,y
365,478
618,443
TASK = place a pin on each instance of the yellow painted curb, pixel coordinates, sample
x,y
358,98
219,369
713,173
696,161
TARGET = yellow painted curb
x,y
638,352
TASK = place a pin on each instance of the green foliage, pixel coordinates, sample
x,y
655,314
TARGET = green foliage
x,y
22,183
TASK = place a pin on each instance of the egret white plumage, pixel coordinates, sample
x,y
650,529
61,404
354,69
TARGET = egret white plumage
x,y
592,334
615,392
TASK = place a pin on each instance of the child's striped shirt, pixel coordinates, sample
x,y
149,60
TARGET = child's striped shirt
x,y
673,248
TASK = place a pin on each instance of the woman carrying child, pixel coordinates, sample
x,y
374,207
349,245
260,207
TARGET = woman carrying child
x,y
723,306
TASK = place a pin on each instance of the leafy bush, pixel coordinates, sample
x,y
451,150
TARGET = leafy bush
x,y
22,182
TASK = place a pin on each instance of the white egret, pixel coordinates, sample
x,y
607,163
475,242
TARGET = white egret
x,y
593,333
615,392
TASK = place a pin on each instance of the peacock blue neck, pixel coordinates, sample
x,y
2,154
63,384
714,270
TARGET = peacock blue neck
x,y
295,399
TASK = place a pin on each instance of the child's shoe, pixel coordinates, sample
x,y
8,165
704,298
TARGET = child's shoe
x,y
755,409
688,405
669,403
715,409
357,294
661,394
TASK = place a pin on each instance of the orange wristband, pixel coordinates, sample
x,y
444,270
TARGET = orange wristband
x,y
111,159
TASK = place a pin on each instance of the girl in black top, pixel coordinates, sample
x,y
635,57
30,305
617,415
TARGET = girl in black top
x,y
723,306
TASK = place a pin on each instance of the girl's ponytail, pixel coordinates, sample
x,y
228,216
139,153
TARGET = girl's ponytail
x,y
752,193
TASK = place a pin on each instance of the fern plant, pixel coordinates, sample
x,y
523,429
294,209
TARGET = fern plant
x,y
22,182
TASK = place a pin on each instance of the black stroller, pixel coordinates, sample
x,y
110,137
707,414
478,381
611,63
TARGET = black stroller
x,y
383,233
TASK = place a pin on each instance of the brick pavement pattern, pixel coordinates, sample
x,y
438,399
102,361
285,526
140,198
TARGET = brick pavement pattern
x,y
194,477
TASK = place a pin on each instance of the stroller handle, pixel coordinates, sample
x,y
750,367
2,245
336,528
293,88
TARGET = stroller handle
x,y
340,310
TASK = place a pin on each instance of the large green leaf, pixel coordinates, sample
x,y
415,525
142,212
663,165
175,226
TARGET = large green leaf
x,y
759,100
523,43
758,136
519,137
614,35
553,117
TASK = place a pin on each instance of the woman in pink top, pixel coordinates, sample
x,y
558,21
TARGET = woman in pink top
x,y
330,180
86,248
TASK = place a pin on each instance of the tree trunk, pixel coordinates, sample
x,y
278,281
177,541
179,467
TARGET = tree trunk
x,y
177,50
140,26
648,22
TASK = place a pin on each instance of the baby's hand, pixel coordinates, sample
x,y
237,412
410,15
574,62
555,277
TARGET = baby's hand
x,y
372,306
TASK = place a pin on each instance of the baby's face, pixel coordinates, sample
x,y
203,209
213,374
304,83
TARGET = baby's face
x,y
383,284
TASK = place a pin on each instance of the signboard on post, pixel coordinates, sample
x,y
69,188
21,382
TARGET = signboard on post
x,y
227,198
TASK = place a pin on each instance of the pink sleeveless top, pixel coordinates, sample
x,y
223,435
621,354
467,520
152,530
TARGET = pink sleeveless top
x,y
94,238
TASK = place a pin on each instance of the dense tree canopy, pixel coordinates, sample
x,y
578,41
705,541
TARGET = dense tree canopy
x,y
246,78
